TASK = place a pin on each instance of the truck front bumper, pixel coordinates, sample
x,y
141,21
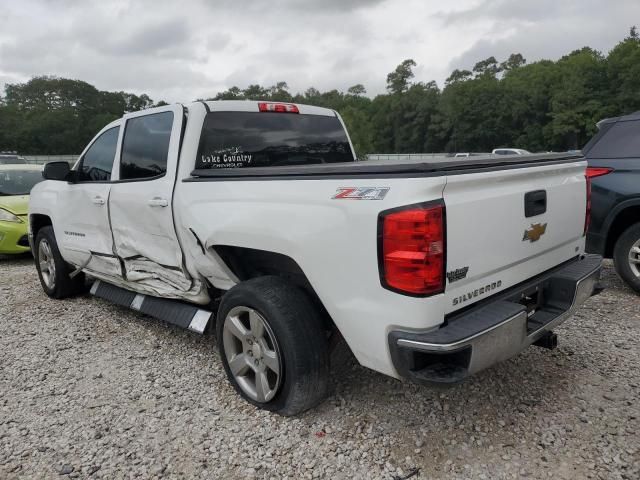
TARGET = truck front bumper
x,y
497,328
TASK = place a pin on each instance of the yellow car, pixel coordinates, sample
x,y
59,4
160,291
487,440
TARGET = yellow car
x,y
16,181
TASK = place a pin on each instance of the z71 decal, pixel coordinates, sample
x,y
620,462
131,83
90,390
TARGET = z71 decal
x,y
361,193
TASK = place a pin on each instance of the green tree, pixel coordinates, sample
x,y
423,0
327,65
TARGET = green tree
x,y
357,90
515,60
398,80
488,66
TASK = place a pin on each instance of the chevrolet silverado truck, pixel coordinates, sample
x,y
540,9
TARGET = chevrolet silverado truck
x,y
259,212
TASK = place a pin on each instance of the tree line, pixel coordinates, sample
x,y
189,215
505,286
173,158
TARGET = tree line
x,y
539,106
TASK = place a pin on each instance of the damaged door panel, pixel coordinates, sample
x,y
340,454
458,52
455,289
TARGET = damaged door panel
x,y
84,233
140,207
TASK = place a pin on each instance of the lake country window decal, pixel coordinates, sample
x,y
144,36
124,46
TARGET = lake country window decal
x,y
227,158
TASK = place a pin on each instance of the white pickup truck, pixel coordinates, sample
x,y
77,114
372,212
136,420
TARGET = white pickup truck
x,y
430,270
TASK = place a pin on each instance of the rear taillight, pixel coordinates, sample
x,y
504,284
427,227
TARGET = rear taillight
x,y
412,249
592,172
587,213
278,107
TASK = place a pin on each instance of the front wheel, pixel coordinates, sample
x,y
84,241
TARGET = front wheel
x,y
273,347
52,269
626,256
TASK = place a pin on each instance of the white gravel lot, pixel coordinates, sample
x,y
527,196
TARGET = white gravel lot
x,y
92,390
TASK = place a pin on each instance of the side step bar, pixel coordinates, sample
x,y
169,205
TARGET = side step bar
x,y
178,313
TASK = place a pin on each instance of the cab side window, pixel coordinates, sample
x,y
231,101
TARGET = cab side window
x,y
145,146
97,162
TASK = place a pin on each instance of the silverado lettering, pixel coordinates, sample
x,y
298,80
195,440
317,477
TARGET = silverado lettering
x,y
477,292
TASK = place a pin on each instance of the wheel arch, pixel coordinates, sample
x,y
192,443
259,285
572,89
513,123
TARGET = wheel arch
x,y
37,221
247,263
624,216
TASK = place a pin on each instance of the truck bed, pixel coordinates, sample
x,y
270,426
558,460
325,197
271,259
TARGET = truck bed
x,y
387,168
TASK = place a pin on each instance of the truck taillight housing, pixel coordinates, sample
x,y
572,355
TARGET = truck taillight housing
x,y
412,249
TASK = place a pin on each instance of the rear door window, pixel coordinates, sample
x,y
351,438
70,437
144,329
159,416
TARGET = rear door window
x,y
617,140
145,146
270,139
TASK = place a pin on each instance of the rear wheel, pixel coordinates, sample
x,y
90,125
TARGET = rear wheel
x,y
52,269
273,347
626,256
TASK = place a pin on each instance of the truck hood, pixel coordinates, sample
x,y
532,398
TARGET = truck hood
x,y
16,204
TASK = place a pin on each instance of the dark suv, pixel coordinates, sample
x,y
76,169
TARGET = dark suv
x,y
614,168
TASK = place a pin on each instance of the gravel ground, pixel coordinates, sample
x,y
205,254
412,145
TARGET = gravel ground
x,y
92,390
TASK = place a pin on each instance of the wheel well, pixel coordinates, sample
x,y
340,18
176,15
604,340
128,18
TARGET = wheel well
x,y
37,221
623,220
247,263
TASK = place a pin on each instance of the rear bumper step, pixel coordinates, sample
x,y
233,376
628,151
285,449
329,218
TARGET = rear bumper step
x,y
497,330
178,313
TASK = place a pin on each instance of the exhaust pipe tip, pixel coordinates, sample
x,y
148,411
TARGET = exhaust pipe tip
x,y
549,341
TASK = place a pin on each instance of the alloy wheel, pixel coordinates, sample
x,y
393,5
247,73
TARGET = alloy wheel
x,y
252,353
47,264
634,258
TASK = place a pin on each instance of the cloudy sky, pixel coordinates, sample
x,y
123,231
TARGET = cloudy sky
x,y
181,50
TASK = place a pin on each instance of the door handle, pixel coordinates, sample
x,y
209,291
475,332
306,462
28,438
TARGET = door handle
x,y
98,200
158,202
535,203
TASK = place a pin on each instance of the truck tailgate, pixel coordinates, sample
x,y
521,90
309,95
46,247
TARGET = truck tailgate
x,y
491,242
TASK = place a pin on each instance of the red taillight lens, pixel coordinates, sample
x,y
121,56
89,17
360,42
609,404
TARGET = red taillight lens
x,y
278,107
593,172
413,248
587,213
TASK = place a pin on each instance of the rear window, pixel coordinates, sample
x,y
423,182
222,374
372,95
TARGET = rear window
x,y
615,140
269,139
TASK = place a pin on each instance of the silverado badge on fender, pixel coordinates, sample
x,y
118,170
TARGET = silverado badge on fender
x,y
534,233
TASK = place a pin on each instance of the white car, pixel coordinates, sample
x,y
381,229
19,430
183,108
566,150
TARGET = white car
x,y
258,211
510,151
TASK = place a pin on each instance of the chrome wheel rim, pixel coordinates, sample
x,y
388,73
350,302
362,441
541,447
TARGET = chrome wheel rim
x,y
47,264
252,353
634,258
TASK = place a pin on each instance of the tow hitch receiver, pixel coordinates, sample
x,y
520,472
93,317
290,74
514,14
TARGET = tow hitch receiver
x,y
549,341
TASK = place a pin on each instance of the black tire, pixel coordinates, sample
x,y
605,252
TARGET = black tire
x,y
300,342
62,285
621,256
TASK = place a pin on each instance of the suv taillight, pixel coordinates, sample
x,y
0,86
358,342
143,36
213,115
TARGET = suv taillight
x,y
592,172
587,213
412,249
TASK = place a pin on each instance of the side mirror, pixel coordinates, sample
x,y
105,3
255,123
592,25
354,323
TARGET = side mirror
x,y
56,171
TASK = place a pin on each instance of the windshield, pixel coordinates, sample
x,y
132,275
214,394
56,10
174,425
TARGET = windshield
x,y
268,139
18,182
11,160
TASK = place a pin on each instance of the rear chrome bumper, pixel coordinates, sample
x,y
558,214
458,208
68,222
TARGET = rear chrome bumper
x,y
498,328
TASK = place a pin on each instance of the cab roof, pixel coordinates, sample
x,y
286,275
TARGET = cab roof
x,y
252,106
